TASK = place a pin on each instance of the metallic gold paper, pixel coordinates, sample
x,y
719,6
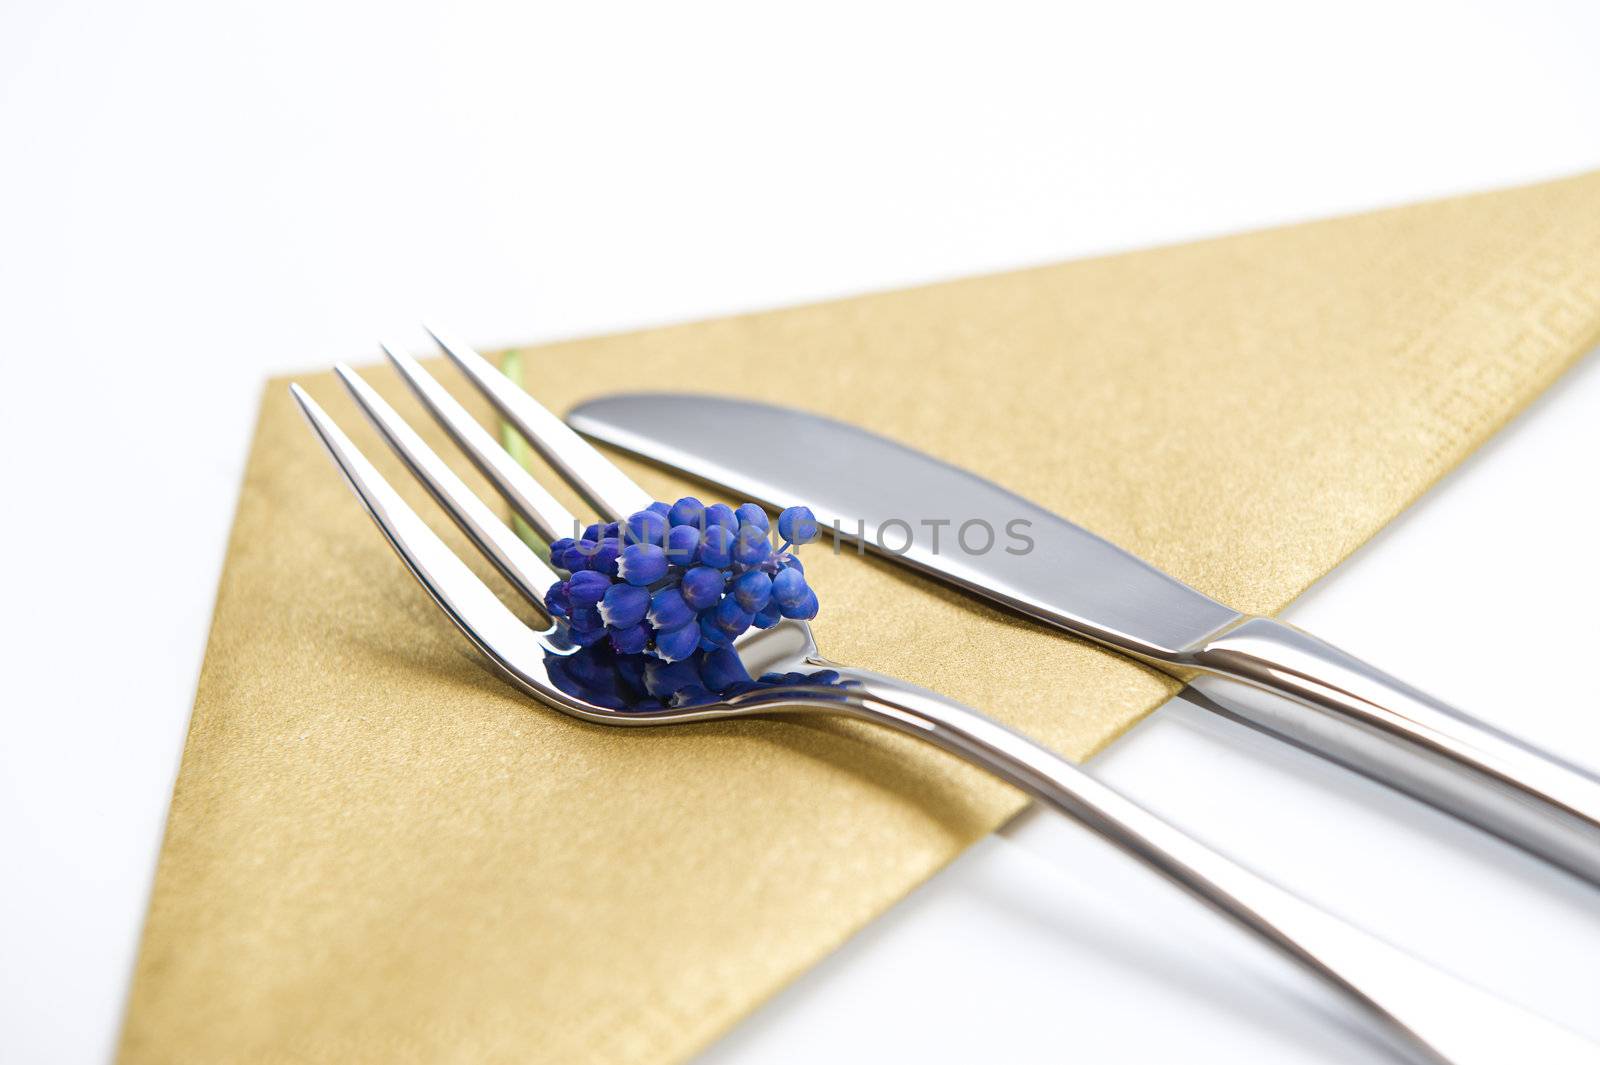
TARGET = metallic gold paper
x,y
378,852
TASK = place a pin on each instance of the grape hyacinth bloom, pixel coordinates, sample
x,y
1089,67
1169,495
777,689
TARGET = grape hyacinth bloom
x,y
702,587
642,564
797,526
751,514
624,605
655,602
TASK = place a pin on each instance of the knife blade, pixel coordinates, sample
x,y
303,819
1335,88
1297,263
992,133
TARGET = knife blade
x,y
962,528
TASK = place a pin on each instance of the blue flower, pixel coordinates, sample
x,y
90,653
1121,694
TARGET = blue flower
x,y
804,610
642,564
702,587
631,640
624,605
712,637
797,525
714,573
586,587
730,618
558,553
789,588
687,511
675,645
602,556
752,514
647,527
716,547
721,514
752,589
683,541
751,547
669,609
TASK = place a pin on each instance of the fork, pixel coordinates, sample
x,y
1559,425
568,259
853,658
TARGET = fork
x,y
1422,1010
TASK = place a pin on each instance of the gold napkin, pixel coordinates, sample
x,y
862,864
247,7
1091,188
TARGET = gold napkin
x,y
379,852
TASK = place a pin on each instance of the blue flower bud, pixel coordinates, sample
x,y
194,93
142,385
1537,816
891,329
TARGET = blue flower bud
x,y
721,514
768,615
585,617
789,588
558,552
557,601
603,558
624,605
731,618
804,610
702,587
631,640
687,511
607,552
711,637
675,645
716,547
722,669
586,587
751,547
647,527
642,564
797,525
592,533
660,508
752,590
683,541
752,514
669,610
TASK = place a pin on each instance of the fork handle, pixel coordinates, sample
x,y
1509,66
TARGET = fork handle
x,y
1425,1008
1355,714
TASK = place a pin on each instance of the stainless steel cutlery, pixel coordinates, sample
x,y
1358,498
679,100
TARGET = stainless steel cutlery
x,y
1333,703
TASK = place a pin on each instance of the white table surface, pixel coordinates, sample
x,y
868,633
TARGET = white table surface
x,y
196,195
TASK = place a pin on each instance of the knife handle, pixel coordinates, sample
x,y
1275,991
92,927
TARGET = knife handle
x,y
1344,709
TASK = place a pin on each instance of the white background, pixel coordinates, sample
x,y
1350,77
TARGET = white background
x,y
195,195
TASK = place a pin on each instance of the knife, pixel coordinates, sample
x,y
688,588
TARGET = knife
x,y
969,531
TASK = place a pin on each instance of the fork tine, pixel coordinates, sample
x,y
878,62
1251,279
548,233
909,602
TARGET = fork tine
x,y
470,604
513,558
527,496
607,488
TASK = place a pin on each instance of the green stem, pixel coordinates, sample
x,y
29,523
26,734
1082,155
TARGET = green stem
x,y
517,448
